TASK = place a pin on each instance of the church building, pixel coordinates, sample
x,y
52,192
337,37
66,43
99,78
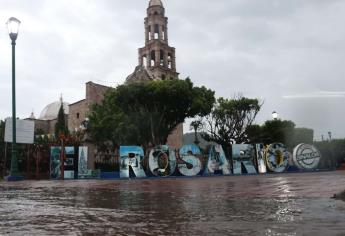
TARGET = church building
x,y
157,61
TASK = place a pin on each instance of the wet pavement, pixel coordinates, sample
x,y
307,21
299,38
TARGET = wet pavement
x,y
286,204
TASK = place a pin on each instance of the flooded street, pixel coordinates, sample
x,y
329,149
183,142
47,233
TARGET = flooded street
x,y
287,204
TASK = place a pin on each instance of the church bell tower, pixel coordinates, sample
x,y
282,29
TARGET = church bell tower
x,y
157,59
157,56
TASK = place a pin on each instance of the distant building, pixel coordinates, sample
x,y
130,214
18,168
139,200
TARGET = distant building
x,y
79,111
48,117
157,61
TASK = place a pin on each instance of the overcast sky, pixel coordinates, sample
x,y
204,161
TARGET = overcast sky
x,y
288,53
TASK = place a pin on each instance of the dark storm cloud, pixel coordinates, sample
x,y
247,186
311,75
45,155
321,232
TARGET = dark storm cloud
x,y
287,53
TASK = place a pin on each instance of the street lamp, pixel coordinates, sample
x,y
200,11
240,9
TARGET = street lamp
x,y
13,29
275,115
330,135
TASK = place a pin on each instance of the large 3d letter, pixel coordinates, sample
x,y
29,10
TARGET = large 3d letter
x,y
217,161
243,154
306,157
162,161
277,157
70,164
260,156
131,156
190,164
83,171
55,166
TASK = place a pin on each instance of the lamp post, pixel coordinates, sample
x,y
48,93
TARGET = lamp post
x,y
330,135
13,28
275,115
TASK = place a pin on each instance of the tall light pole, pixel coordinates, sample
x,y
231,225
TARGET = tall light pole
x,y
330,135
13,28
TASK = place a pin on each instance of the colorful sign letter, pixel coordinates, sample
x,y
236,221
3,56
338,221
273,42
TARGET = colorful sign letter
x,y
55,166
131,156
162,161
243,154
190,164
306,157
82,162
261,159
217,161
277,157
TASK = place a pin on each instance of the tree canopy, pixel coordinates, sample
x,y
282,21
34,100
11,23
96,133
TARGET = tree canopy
x,y
282,131
61,127
146,113
229,119
272,131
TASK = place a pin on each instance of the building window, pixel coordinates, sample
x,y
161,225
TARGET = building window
x,y
144,62
169,61
153,58
156,30
78,115
161,61
163,33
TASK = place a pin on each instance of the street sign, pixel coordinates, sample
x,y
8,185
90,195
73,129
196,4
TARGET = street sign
x,y
24,131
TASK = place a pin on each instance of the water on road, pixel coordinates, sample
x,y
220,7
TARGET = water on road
x,y
287,204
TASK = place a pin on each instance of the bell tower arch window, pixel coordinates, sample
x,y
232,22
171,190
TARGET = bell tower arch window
x,y
161,61
144,61
149,32
156,35
152,58
163,33
169,61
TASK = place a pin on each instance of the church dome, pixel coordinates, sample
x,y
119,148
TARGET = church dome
x,y
51,111
155,3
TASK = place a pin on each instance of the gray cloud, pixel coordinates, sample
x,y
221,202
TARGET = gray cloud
x,y
287,53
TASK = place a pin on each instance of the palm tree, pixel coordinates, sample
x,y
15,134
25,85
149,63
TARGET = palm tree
x,y
196,126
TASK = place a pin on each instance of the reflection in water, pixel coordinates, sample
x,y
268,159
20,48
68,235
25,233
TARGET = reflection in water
x,y
204,206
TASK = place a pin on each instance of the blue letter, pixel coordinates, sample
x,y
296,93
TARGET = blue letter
x,y
260,156
131,156
190,164
217,161
162,161
243,154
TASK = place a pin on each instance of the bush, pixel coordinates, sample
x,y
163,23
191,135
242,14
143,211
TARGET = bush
x,y
333,153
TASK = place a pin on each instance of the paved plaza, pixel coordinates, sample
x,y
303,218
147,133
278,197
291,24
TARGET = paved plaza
x,y
284,204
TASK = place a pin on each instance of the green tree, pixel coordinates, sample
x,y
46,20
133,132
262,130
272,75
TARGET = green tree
x,y
229,119
282,131
196,126
303,135
146,113
61,127
255,134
